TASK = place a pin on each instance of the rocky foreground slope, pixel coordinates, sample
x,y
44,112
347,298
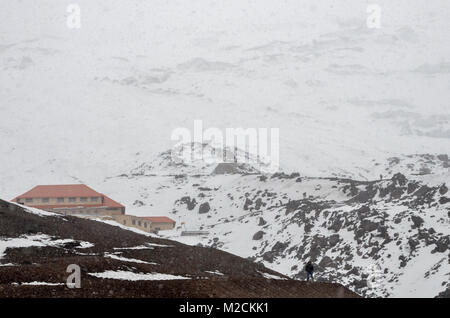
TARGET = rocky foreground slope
x,y
36,248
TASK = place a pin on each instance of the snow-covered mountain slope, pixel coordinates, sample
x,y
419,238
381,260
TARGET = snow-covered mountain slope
x,y
386,237
38,249
84,104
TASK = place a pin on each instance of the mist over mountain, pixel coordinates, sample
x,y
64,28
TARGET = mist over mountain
x,y
87,103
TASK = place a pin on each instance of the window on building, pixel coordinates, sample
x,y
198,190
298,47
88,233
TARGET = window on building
x,y
124,222
83,199
145,224
28,199
134,222
139,223
45,200
59,200
94,199
72,199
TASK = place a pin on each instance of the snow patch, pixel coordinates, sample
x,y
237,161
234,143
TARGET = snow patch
x,y
131,260
124,275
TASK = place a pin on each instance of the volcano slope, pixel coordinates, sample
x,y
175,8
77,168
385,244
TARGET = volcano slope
x,y
36,248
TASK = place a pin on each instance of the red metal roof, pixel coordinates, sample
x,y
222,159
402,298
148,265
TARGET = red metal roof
x,y
64,206
158,219
67,190
110,202
60,191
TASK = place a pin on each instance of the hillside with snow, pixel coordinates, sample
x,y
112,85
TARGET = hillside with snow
x,y
381,238
38,251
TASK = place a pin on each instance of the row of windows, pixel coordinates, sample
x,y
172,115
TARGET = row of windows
x,y
62,200
139,223
88,212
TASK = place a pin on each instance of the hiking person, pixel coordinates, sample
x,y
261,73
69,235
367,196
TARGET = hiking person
x,y
309,268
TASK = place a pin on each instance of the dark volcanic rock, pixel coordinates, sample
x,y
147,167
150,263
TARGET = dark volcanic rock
x,y
333,240
412,186
403,260
417,221
400,179
413,244
262,222
258,235
247,203
204,208
263,178
138,203
442,244
258,204
424,195
292,205
443,189
326,262
336,224
360,283
190,203
368,225
279,248
443,157
309,226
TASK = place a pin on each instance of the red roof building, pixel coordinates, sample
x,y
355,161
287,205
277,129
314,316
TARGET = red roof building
x,y
158,219
146,223
70,199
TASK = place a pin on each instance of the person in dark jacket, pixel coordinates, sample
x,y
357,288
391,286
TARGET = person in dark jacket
x,y
309,268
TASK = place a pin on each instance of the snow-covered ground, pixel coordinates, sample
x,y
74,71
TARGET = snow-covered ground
x,y
362,234
124,275
34,240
